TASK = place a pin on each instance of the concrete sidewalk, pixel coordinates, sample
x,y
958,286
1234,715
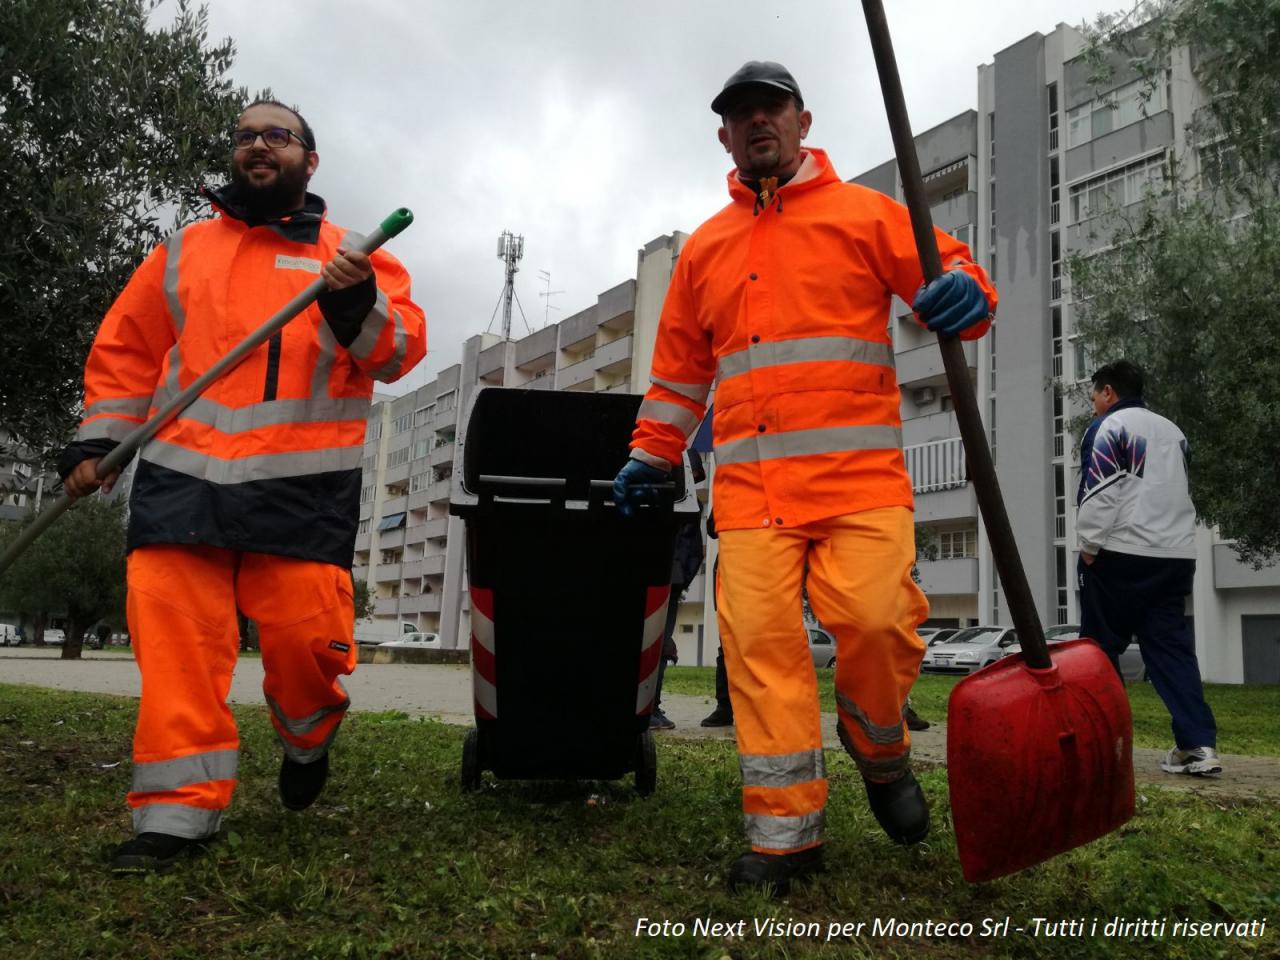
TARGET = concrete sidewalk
x,y
443,691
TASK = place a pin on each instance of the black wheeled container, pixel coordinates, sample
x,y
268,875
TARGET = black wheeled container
x,y
568,598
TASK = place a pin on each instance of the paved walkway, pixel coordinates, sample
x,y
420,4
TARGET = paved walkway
x,y
444,692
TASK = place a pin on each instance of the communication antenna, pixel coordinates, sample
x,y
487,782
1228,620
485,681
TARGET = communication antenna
x,y
547,295
510,252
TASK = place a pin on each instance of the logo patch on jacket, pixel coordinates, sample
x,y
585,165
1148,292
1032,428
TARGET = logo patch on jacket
x,y
284,262
340,647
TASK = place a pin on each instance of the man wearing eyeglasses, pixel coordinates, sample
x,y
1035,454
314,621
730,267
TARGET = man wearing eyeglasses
x,y
782,300
249,499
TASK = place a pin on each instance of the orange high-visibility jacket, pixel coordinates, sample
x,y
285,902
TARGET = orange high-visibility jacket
x,y
268,459
784,306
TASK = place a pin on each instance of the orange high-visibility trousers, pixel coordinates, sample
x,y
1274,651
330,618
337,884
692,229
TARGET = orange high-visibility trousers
x,y
860,588
182,617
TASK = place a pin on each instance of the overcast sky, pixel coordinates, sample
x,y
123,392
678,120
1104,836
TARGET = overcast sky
x,y
583,124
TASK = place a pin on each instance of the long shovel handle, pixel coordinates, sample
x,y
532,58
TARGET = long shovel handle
x,y
388,228
1004,550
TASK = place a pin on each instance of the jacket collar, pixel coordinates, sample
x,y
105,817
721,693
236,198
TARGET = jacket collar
x,y
815,171
299,226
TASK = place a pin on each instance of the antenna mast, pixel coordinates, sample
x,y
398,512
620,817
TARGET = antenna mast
x,y
545,276
510,252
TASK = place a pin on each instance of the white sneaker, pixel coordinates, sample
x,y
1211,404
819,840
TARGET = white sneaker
x,y
1198,761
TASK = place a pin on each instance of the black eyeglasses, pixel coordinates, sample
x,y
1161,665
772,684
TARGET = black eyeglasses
x,y
277,138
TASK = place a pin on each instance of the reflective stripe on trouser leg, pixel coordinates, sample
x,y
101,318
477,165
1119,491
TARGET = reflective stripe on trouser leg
x,y
305,616
182,617
773,688
860,587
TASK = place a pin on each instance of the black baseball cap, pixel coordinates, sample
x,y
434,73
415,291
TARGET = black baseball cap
x,y
758,73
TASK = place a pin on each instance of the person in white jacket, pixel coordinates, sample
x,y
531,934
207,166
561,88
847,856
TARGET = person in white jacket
x,y
1136,527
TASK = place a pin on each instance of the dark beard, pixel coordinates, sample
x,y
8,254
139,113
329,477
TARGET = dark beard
x,y
283,196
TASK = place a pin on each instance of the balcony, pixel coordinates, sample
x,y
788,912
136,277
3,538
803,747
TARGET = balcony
x,y
394,505
623,387
939,481
576,373
924,363
437,529
391,539
536,347
930,428
443,454
386,606
614,357
1229,573
433,566
397,474
362,542
387,573
411,570
439,491
949,577
359,573
419,499
492,359
424,603
415,534
615,308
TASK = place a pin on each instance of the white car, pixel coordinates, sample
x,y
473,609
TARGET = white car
x,y
969,649
1132,666
54,635
414,641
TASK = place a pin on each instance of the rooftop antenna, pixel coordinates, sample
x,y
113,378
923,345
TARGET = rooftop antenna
x,y
547,294
510,252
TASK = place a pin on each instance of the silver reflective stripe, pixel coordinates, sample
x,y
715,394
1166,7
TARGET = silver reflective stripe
x,y
324,362
196,768
876,734
886,768
781,769
266,466
804,350
173,252
392,366
684,419
656,462
307,754
106,428
177,820
697,392
123,406
304,726
172,384
784,833
800,443
370,329
271,413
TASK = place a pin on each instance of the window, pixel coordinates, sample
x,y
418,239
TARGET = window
x,y
1055,192
1055,322
1060,558
1219,165
1059,501
1120,108
397,457
1116,188
1059,424
419,481
363,526
421,415
420,449
366,494
373,431
686,628
1055,265
957,544
401,424
446,401
1053,117
964,233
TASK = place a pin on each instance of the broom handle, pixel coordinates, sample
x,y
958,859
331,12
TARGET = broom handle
x,y
389,227
982,471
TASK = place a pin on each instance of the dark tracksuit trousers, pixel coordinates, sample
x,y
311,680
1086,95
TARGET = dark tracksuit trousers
x,y
1123,596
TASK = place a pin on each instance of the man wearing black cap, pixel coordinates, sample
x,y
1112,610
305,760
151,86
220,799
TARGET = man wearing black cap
x,y
782,299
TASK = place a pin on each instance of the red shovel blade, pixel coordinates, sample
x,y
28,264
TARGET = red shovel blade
x,y
1038,761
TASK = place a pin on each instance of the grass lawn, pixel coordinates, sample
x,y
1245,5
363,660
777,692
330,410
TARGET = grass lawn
x,y
395,861
1248,716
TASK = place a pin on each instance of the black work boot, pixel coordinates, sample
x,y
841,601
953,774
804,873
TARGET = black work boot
x,y
900,808
301,783
914,720
153,852
719,717
772,873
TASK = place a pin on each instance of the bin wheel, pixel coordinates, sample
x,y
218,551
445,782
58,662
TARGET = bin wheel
x,y
646,765
471,761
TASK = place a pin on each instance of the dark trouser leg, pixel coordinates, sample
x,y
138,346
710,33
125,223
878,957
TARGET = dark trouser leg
x,y
722,683
1109,613
1169,652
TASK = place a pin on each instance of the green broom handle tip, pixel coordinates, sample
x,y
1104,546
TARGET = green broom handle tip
x,y
396,222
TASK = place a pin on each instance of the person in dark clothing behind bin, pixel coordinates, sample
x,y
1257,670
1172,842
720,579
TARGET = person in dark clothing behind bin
x,y
1136,525
684,568
782,299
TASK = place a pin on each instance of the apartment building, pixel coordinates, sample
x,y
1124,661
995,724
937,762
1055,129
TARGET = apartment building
x,y
24,486
1026,179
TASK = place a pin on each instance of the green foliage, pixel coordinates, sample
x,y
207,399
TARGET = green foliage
x,y
107,126
364,600
1187,286
75,568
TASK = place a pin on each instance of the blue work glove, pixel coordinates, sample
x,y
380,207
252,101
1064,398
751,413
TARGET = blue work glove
x,y
634,485
951,303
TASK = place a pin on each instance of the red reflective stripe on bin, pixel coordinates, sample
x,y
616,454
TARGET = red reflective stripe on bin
x,y
484,669
655,618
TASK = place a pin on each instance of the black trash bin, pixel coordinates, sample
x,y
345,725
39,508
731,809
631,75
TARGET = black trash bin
x,y
568,598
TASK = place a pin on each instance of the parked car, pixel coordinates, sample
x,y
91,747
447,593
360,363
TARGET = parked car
x,y
8,634
1132,666
969,649
54,635
932,635
414,641
822,645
